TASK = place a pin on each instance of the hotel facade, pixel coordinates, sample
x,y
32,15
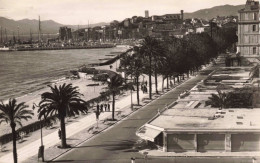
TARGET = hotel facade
x,y
248,30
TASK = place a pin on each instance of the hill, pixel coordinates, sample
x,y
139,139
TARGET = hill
x,y
47,26
226,10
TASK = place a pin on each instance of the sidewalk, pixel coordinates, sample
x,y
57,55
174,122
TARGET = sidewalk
x,y
158,153
51,140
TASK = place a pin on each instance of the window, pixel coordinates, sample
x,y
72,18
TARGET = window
x,y
246,28
254,50
246,16
246,39
254,28
255,16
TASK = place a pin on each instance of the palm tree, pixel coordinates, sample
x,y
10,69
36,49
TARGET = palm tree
x,y
13,113
114,84
133,66
159,57
63,101
150,49
221,100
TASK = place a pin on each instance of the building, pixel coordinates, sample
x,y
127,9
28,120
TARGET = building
x,y
204,130
146,14
248,30
187,125
65,33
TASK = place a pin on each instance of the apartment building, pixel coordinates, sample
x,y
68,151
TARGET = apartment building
x,y
248,30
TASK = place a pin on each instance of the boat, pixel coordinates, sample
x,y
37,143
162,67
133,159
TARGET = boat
x,y
115,52
5,48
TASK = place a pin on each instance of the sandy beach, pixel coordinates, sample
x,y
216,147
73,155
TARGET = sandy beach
x,y
89,92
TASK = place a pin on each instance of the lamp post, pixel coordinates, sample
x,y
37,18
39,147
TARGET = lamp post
x,y
131,94
41,148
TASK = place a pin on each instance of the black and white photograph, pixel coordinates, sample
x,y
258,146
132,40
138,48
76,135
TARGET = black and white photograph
x,y
129,81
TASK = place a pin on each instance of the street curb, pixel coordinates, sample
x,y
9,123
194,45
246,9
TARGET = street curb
x,y
117,122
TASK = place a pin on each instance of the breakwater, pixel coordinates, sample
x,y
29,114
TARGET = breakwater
x,y
65,47
110,61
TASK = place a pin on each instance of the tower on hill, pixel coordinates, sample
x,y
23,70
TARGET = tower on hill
x,y
146,14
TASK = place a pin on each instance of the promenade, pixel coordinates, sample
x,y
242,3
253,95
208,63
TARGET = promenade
x,y
30,150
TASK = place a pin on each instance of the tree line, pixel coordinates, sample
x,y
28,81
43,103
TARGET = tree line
x,y
173,57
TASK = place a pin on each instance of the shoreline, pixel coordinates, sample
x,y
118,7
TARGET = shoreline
x,y
89,93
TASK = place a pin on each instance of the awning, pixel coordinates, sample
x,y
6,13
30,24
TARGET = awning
x,y
148,133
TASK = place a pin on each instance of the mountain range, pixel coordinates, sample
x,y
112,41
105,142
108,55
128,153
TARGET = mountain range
x,y
47,26
52,27
207,14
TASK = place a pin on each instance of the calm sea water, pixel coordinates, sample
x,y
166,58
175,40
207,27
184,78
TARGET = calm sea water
x,y
23,72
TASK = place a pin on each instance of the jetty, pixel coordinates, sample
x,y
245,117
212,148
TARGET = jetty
x,y
65,47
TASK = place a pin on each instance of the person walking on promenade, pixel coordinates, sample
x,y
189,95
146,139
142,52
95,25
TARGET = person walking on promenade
x,y
108,107
142,88
98,107
105,107
59,133
101,108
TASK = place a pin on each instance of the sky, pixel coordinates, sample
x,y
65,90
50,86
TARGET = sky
x,y
80,12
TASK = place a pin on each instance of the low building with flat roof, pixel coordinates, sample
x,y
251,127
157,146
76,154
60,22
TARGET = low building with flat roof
x,y
204,130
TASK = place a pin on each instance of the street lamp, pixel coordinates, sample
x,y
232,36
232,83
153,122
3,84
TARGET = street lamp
x,y
41,148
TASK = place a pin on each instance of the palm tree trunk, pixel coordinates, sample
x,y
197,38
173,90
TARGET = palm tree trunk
x,y
137,90
150,76
163,77
156,81
63,132
14,143
113,106
167,82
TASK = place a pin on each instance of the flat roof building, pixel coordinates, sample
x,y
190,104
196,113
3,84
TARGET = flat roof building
x,y
204,130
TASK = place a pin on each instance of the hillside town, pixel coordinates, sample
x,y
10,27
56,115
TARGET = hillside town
x,y
121,32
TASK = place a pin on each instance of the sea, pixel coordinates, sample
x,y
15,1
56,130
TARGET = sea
x,y
24,72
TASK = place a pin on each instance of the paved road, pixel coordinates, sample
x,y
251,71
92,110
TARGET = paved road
x,y
115,145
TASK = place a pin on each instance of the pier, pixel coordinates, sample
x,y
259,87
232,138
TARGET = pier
x,y
65,47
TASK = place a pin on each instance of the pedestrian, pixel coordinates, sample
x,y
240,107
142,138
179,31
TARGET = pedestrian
x,y
132,160
101,108
105,106
97,107
97,114
108,107
145,89
171,84
59,133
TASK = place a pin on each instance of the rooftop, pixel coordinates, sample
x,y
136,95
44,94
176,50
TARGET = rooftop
x,y
179,119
